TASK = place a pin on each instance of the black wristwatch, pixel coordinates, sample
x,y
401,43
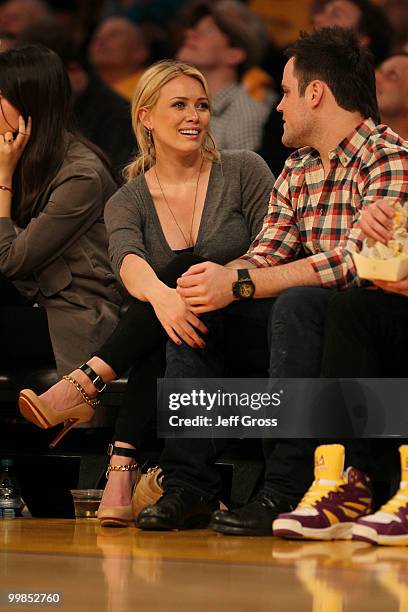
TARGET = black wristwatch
x,y
243,288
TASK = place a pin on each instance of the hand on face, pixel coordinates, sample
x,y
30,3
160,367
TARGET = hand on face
x,y
206,286
12,148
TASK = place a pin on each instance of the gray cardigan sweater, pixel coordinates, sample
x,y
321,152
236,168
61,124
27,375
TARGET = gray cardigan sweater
x,y
236,201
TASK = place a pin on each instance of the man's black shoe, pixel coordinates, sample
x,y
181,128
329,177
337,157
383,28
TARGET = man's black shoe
x,y
255,518
177,509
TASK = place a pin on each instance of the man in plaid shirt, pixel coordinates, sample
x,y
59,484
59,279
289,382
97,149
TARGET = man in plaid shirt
x,y
315,202
302,254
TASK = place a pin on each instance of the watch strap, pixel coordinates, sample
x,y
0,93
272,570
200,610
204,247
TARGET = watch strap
x,y
243,275
243,278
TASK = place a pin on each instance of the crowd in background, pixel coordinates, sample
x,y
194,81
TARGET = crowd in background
x,y
106,45
225,103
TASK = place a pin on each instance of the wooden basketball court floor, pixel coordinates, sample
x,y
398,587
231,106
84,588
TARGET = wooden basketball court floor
x,y
114,570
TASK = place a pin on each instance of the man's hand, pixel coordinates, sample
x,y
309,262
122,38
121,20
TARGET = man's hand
x,y
400,287
206,286
376,221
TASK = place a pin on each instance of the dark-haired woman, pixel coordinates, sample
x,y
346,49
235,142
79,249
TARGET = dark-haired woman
x,y
53,243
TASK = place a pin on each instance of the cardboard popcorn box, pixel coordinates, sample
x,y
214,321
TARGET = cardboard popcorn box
x,y
392,269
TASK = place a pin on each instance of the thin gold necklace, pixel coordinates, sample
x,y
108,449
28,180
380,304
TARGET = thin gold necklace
x,y
189,242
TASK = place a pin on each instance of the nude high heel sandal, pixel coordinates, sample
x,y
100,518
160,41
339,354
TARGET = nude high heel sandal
x,y
119,516
36,411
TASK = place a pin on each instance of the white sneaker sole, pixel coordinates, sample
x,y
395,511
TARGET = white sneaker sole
x,y
290,528
368,534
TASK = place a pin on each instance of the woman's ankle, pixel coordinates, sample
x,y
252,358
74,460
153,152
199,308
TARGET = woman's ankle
x,y
85,382
119,488
117,458
93,376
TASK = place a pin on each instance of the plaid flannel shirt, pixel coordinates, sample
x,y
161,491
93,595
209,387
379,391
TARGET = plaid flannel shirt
x,y
313,216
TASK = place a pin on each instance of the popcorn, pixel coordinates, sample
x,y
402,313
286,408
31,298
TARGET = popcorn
x,y
378,261
398,245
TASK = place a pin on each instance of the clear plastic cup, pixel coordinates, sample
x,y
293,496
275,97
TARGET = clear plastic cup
x,y
86,502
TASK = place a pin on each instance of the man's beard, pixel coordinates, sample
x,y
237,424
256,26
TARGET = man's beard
x,y
290,141
296,140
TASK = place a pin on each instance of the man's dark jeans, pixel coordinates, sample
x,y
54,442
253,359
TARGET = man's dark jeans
x,y
292,324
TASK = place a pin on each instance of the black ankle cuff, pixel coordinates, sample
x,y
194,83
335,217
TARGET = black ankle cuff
x,y
95,379
122,452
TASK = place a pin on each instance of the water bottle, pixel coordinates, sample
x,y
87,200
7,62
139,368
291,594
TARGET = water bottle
x,y
11,503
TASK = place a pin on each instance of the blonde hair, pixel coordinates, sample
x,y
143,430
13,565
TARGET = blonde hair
x,y
145,96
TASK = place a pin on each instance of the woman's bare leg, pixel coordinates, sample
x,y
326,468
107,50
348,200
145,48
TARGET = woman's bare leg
x,y
118,490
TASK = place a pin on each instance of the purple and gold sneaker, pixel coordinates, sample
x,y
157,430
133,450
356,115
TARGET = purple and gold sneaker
x,y
388,526
333,503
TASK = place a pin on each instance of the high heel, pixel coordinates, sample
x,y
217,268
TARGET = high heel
x,y
34,410
119,516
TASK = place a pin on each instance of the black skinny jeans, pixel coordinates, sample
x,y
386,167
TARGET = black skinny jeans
x,y
25,339
294,324
139,342
366,335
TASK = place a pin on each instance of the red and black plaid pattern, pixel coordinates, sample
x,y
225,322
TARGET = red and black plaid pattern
x,y
315,216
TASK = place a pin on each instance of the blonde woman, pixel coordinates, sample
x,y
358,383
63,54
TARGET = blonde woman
x,y
184,202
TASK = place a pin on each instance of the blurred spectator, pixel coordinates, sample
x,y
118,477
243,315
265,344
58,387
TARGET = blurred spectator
x,y
101,115
397,11
283,19
17,15
225,40
157,12
392,93
368,20
119,52
158,19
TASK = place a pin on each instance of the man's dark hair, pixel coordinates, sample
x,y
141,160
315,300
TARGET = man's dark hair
x,y
333,55
375,24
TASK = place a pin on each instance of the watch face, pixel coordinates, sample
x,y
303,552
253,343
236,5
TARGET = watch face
x,y
246,289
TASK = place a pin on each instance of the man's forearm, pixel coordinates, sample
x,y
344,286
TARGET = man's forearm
x,y
240,264
275,279
209,286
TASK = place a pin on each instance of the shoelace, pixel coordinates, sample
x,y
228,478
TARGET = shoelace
x,y
395,503
318,491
